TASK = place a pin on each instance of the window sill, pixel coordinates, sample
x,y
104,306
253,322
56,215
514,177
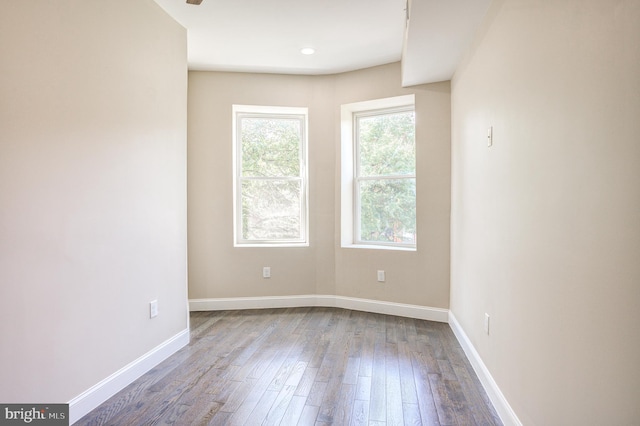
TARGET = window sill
x,y
268,245
378,247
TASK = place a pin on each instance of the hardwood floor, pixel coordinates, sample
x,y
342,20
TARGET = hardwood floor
x,y
306,366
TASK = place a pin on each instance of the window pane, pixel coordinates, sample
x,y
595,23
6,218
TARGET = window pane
x,y
271,209
386,144
388,210
271,146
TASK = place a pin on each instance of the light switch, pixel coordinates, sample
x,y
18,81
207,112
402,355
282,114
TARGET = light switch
x,y
490,136
153,309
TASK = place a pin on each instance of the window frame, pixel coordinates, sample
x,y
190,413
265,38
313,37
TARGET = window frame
x,y
258,111
350,169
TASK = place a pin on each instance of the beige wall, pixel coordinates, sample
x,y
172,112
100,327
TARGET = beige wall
x,y
420,277
546,223
92,191
217,269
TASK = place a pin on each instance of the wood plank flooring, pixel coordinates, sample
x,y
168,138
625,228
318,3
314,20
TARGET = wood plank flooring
x,y
306,366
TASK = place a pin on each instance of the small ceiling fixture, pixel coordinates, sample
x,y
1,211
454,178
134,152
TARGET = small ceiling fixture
x,y
307,50
194,1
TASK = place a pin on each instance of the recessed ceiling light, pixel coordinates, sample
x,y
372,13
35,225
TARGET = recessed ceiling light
x,y
308,51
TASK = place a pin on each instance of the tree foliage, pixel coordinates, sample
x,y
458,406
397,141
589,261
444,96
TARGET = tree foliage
x,y
271,181
272,185
270,147
386,184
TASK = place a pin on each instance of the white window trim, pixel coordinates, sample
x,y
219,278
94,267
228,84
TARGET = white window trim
x,y
238,241
348,165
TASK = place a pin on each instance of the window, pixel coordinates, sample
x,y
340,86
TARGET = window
x,y
379,174
270,176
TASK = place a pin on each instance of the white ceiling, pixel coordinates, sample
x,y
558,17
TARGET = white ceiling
x,y
267,35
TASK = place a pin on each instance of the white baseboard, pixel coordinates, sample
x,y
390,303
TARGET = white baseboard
x,y
97,394
500,403
357,304
391,308
233,303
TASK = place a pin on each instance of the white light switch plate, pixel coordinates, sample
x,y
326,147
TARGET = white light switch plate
x,y
153,309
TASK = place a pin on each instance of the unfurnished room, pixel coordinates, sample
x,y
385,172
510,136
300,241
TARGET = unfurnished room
x,y
356,212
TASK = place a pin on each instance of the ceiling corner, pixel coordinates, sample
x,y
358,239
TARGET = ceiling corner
x,y
437,36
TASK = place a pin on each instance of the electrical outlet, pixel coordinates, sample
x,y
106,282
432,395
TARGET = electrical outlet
x,y
380,276
486,323
153,309
266,272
